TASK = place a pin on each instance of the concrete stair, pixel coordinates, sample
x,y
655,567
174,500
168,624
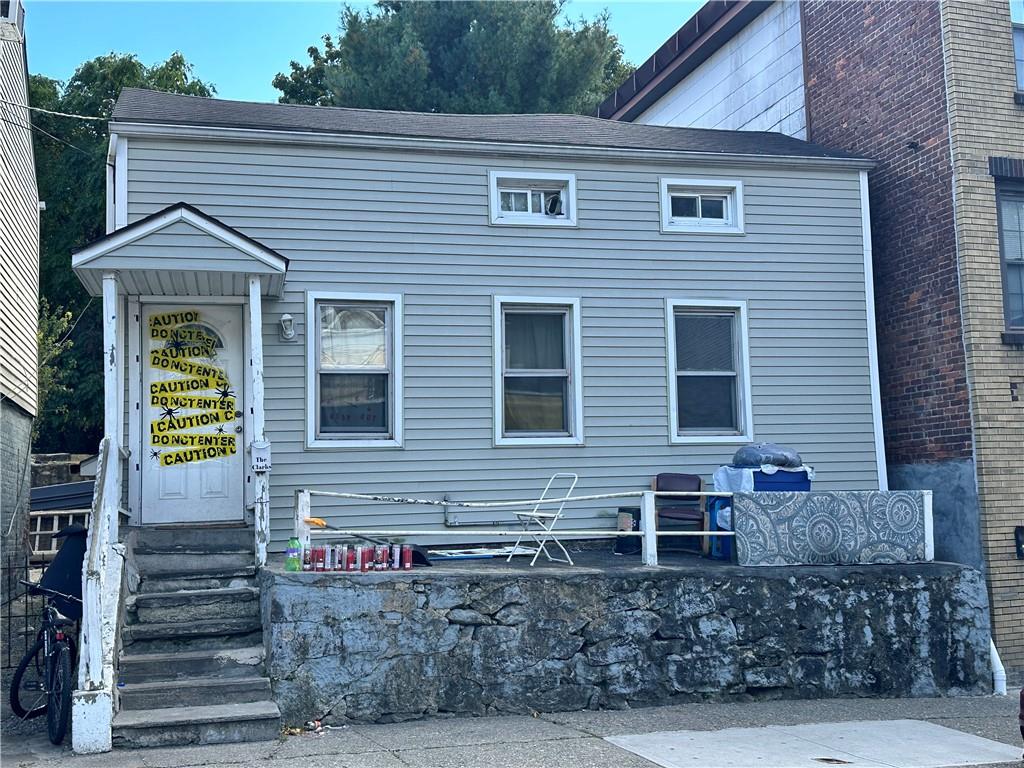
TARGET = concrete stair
x,y
192,666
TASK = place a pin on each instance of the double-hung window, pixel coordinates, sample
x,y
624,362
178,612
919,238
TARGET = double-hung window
x,y
538,393
701,206
354,387
709,382
532,198
1017,19
1011,241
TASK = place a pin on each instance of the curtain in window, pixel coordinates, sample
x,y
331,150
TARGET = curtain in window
x,y
535,344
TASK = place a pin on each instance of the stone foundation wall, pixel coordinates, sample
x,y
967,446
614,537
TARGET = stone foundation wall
x,y
383,647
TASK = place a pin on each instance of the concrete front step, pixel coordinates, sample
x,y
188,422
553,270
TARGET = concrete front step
x,y
194,692
245,577
215,724
193,540
165,607
216,564
199,635
219,663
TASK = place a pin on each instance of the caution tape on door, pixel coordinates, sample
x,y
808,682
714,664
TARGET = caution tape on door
x,y
201,397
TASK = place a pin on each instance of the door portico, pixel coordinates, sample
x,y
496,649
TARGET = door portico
x,y
183,296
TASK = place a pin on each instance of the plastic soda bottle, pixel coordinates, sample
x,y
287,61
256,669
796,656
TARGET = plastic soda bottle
x,y
293,555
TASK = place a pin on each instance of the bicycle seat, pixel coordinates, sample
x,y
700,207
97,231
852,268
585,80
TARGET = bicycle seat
x,y
60,620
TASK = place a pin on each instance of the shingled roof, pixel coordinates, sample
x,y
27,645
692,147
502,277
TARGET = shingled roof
x,y
142,106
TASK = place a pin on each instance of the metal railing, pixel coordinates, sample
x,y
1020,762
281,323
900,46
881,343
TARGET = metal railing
x,y
648,515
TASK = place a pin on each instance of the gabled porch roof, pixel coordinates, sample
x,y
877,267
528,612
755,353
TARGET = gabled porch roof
x,y
180,251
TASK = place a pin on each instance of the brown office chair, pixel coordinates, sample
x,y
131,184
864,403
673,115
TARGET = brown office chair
x,y
680,512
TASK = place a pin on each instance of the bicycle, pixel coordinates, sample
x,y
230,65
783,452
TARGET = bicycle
x,y
45,671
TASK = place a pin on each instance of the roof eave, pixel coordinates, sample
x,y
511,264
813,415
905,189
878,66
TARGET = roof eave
x,y
466,146
705,33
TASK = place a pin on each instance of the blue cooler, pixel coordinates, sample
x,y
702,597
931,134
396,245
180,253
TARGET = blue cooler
x,y
780,481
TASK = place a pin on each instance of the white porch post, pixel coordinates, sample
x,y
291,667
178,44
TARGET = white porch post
x,y
261,483
92,704
113,391
648,515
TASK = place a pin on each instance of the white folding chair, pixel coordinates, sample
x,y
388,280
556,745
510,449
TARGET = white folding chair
x,y
539,526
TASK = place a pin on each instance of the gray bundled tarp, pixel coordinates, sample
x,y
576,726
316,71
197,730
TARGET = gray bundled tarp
x,y
767,454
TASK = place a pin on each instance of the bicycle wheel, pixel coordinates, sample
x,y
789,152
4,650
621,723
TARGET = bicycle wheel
x,y
28,686
58,709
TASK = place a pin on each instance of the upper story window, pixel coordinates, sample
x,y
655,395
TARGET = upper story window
x,y
1017,18
527,198
538,397
1011,241
709,380
702,205
354,370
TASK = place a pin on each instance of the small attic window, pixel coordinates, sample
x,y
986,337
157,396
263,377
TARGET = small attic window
x,y
528,198
709,206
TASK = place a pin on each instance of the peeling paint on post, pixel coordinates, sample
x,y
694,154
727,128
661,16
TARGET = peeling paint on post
x,y
261,480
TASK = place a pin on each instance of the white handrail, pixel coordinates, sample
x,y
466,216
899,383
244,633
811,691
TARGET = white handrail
x,y
90,672
93,702
648,529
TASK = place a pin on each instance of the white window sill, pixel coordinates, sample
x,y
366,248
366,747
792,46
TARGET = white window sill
x,y
677,439
531,221
502,442
682,229
325,443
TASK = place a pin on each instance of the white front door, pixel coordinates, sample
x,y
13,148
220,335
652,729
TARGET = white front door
x,y
192,404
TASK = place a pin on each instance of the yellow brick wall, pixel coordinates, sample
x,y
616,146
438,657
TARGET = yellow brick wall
x,y
984,122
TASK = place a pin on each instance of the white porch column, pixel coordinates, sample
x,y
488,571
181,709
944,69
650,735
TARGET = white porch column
x,y
113,391
259,447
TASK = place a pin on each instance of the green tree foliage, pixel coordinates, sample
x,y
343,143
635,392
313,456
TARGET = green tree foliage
x,y
55,370
70,171
475,56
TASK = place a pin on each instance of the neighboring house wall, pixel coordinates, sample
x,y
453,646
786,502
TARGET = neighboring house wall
x,y
754,82
19,278
985,122
416,224
875,85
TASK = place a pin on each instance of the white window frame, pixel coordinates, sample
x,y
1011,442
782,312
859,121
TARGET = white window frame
x,y
731,189
744,406
527,180
575,359
394,439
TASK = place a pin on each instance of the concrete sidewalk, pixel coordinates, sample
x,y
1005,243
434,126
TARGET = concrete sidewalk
x,y
571,739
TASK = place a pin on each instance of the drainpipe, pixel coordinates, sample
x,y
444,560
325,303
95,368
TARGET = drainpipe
x,y
998,671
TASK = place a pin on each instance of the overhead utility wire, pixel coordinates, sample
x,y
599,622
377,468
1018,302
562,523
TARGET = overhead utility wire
x,y
51,112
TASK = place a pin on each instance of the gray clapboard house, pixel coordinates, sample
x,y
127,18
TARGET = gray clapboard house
x,y
433,306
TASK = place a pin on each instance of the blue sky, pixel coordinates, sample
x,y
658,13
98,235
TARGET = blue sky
x,y
240,46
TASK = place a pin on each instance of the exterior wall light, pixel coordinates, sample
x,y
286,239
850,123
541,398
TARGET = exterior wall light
x,y
287,327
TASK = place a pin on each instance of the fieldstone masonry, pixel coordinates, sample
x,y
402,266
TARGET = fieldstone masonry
x,y
389,647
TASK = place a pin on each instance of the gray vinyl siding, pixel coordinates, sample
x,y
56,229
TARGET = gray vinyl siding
x,y
417,224
19,231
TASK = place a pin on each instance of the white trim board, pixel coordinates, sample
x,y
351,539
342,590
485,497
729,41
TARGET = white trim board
x,y
745,404
340,443
575,373
173,215
869,301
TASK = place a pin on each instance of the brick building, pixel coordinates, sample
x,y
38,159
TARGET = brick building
x,y
934,91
